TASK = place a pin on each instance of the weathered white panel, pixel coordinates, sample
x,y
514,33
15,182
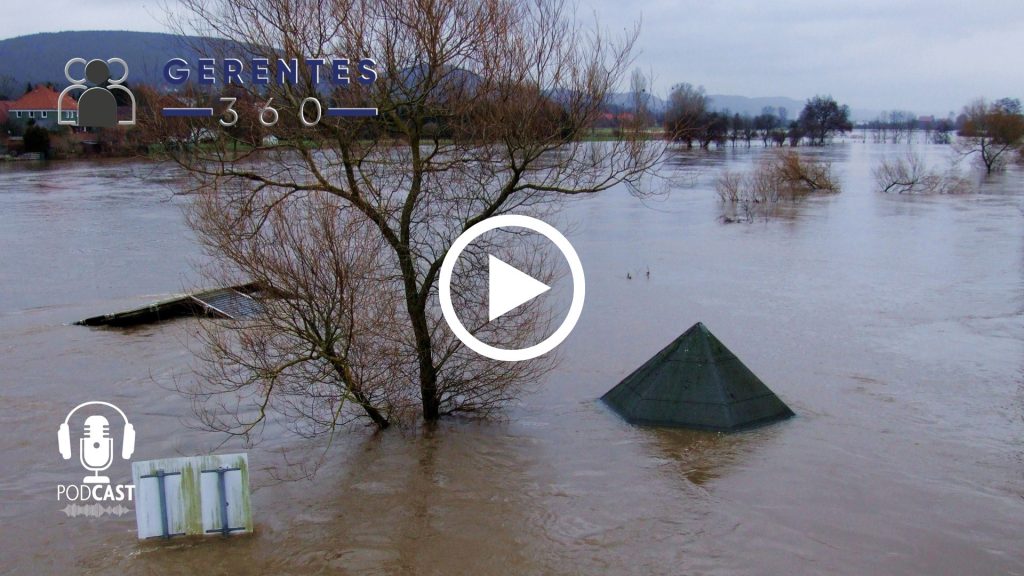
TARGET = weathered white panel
x,y
147,506
236,495
193,500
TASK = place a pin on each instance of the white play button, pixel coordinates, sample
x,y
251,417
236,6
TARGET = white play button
x,y
509,288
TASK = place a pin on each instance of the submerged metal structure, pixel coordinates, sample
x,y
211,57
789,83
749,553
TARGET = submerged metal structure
x,y
696,382
232,302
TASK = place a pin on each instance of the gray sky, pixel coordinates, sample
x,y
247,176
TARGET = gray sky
x,y
929,56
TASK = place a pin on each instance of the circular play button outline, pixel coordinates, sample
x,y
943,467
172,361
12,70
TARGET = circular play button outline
x,y
579,287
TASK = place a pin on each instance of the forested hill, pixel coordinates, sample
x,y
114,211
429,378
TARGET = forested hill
x,y
40,58
754,106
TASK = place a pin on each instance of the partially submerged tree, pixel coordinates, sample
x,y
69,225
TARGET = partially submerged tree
x,y
779,176
822,117
910,175
989,131
799,175
481,106
766,123
941,131
686,114
895,125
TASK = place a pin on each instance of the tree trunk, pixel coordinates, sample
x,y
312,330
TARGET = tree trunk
x,y
346,376
417,306
428,373
372,412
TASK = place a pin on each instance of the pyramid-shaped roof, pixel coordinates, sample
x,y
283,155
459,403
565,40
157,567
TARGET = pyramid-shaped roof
x,y
696,382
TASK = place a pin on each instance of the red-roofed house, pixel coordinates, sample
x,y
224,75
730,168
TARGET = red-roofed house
x,y
41,105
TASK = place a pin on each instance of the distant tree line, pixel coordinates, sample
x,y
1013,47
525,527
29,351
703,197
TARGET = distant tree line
x,y
899,125
689,120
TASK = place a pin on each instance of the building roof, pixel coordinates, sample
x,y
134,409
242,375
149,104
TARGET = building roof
x,y
696,382
42,98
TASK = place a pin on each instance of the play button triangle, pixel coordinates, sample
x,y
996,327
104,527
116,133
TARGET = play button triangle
x,y
509,288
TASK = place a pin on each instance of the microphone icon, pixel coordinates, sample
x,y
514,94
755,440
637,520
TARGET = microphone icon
x,y
96,449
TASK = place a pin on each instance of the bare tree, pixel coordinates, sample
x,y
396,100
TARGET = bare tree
x,y
779,176
910,175
991,130
880,128
798,175
639,88
902,123
481,105
686,114
323,338
941,133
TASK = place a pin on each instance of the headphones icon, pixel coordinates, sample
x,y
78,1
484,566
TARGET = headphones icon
x,y
64,433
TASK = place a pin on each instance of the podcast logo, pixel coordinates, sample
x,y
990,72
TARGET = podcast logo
x,y
96,454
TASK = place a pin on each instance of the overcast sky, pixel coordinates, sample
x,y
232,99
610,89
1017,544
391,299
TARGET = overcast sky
x,y
929,56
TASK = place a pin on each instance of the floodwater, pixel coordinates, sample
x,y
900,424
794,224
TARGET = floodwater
x,y
892,325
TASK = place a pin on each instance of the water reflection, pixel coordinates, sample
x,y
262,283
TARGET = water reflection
x,y
701,456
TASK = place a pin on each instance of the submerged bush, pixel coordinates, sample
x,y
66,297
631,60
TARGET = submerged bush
x,y
783,175
910,175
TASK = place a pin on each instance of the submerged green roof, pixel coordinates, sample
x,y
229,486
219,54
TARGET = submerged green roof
x,y
696,382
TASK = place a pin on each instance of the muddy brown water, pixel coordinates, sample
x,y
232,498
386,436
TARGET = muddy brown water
x,y
893,326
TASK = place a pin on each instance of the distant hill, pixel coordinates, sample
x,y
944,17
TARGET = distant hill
x,y
718,102
40,58
624,101
753,106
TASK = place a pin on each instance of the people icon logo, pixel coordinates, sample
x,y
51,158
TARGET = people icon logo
x,y
97,107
